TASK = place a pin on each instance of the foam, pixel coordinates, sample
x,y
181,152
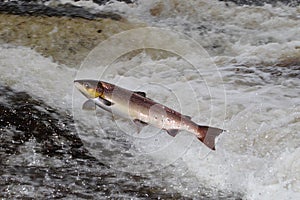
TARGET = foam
x,y
259,155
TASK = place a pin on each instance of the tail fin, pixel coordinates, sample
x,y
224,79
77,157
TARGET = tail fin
x,y
207,135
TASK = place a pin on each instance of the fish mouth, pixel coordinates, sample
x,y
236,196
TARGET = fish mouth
x,y
87,88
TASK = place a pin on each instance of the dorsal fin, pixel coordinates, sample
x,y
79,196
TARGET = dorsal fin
x,y
143,94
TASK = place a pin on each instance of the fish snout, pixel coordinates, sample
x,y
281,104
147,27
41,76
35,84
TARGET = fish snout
x,y
89,88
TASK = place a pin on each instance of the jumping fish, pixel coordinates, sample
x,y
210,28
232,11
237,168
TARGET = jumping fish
x,y
142,110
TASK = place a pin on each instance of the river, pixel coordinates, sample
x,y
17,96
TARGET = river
x,y
233,66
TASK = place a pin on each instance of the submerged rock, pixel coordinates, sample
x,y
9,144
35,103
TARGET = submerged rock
x,y
65,32
67,40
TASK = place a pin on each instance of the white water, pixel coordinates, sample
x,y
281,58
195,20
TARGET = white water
x,y
259,156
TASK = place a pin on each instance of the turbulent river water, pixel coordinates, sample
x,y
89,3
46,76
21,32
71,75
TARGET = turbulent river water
x,y
232,66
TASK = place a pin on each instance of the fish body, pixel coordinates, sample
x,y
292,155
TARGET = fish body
x,y
142,110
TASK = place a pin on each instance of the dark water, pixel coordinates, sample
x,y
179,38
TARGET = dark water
x,y
37,9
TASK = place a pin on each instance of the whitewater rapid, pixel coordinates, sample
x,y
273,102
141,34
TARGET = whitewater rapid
x,y
252,74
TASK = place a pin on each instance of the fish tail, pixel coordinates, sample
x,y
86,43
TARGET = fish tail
x,y
207,135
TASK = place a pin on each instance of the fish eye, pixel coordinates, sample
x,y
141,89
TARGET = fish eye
x,y
86,85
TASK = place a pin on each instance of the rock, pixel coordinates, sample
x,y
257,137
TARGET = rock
x,y
67,40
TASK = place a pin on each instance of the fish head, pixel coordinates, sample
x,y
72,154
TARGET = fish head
x,y
90,88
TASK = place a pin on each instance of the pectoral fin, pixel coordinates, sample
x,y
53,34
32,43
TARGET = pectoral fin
x,y
89,105
143,94
172,132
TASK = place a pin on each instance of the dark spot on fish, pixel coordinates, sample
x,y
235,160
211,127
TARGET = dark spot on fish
x,y
99,31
